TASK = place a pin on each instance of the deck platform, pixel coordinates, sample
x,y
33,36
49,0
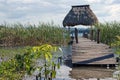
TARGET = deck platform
x,y
89,52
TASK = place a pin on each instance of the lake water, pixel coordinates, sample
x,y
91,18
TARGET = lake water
x,y
67,72
82,73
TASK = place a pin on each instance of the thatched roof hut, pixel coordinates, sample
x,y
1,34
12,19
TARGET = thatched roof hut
x,y
80,15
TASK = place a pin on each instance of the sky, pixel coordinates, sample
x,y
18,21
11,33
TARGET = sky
x,y
47,11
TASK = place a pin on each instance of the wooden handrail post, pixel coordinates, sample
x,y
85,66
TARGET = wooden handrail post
x,y
76,35
98,36
95,35
91,35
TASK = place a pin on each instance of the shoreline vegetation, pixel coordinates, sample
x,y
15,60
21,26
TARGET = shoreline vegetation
x,y
108,32
14,38
12,35
21,64
40,41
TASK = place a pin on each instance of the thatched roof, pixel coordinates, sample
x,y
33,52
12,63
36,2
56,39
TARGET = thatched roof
x,y
80,15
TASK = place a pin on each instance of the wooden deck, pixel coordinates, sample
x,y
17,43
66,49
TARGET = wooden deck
x,y
89,52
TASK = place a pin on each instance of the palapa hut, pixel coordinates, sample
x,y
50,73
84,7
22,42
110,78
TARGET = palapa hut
x,y
80,15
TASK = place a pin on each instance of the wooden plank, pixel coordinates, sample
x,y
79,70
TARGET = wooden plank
x,y
91,72
88,51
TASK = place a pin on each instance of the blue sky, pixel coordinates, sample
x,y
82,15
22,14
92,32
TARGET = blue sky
x,y
34,11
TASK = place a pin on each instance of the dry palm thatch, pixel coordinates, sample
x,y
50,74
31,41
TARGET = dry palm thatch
x,y
80,15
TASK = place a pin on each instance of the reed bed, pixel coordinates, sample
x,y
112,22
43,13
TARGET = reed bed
x,y
31,35
109,31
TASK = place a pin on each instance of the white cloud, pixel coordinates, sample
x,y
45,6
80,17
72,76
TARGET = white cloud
x,y
12,1
21,1
47,10
114,9
29,1
2,15
45,3
108,1
21,8
93,1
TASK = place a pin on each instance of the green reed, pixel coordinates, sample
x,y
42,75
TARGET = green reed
x,y
109,31
24,35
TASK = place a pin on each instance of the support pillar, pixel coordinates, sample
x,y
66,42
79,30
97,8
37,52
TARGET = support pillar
x,y
98,36
76,35
91,35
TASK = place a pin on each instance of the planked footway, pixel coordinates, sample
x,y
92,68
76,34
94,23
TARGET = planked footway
x,y
89,52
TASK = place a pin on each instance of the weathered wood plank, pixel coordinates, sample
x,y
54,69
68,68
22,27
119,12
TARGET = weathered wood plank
x,y
89,52
91,72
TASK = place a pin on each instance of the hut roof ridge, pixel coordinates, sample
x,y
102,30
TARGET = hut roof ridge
x,y
80,5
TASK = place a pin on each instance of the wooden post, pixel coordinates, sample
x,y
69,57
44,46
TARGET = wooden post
x,y
95,36
36,77
69,28
39,76
76,35
50,76
49,79
98,36
91,36
54,68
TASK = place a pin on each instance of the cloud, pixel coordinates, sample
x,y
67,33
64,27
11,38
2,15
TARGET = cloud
x,y
116,1
107,10
93,1
29,1
54,10
2,14
114,11
21,8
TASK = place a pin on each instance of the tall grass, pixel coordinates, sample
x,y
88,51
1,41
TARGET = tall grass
x,y
24,35
109,31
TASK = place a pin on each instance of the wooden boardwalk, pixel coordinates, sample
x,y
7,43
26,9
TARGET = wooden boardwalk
x,y
89,52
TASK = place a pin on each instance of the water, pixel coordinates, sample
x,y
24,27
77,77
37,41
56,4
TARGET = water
x,y
83,72
79,34
67,52
67,72
63,73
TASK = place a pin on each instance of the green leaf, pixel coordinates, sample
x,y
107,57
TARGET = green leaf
x,y
47,72
47,57
53,63
39,68
53,74
58,65
118,37
49,54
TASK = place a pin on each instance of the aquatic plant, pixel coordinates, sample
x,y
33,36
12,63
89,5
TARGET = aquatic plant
x,y
26,63
116,46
